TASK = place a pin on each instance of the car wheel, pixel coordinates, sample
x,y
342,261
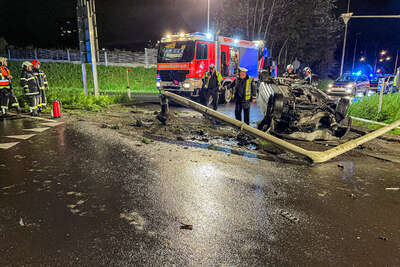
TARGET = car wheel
x,y
226,96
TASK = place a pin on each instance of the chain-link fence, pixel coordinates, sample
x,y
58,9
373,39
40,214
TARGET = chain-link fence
x,y
147,59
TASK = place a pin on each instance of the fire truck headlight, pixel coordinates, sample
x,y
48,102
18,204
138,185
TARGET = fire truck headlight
x,y
209,36
330,85
158,84
350,85
186,85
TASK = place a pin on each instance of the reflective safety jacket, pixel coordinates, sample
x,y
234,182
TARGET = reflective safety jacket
x,y
4,78
396,79
207,76
244,89
42,79
29,83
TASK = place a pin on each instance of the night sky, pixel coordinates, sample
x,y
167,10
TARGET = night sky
x,y
129,24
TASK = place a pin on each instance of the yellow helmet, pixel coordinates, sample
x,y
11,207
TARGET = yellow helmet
x,y
2,60
26,64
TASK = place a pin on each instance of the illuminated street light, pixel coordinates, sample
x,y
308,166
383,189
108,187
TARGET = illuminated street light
x,y
381,60
379,71
362,59
383,52
388,58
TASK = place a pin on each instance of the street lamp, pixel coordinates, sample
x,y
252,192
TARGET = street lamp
x,y
388,58
383,52
346,18
362,59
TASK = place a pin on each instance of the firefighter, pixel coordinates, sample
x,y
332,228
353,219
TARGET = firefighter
x,y
30,84
307,75
211,83
244,93
7,97
43,84
290,72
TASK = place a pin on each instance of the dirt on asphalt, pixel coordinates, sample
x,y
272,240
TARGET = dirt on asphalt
x,y
189,128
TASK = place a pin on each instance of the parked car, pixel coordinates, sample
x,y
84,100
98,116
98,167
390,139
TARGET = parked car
x,y
349,86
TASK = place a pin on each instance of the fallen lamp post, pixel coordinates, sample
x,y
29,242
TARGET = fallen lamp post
x,y
312,156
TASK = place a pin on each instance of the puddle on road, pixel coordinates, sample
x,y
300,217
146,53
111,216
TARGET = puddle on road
x,y
348,174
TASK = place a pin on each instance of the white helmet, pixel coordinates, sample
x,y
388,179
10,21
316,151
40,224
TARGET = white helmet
x,y
307,69
290,66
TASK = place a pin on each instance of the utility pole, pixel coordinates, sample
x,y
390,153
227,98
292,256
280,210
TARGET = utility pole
x,y
80,12
88,41
397,62
346,20
208,16
355,51
92,33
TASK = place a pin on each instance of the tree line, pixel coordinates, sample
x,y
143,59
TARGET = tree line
x,y
308,30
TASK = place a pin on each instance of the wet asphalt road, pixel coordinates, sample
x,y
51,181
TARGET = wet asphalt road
x,y
79,196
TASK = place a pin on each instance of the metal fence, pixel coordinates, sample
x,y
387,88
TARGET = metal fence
x,y
147,58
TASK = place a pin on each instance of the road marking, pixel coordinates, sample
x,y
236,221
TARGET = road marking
x,y
38,130
21,137
52,124
31,117
7,145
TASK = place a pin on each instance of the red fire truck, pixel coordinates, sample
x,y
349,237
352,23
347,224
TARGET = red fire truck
x,y
183,59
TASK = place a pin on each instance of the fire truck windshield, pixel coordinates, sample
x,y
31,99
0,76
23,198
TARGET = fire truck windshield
x,y
181,51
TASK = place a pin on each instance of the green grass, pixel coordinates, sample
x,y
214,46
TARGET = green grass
x,y
111,78
367,108
65,81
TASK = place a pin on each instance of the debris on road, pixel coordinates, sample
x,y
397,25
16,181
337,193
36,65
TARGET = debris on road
x,y
289,216
134,219
383,238
146,141
185,226
392,189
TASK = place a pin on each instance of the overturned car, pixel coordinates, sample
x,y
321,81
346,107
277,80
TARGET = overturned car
x,y
295,110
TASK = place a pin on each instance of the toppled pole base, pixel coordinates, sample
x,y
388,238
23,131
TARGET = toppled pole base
x,y
312,156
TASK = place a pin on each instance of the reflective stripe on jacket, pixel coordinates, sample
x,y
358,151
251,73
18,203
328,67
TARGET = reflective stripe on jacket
x,y
29,83
248,91
207,75
42,78
4,80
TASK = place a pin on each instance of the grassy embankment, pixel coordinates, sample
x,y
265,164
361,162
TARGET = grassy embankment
x,y
65,81
367,108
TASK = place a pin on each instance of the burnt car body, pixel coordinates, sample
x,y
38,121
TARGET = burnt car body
x,y
295,110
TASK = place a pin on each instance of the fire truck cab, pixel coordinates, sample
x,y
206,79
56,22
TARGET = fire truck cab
x,y
183,60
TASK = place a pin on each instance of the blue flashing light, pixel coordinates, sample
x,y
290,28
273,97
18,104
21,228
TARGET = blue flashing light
x,y
357,73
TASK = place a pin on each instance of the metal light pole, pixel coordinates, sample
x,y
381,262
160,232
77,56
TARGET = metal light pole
x,y
355,51
346,22
208,16
93,50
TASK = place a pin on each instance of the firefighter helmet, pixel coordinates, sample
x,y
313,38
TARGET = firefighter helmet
x,y
26,64
2,60
290,66
307,69
34,62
